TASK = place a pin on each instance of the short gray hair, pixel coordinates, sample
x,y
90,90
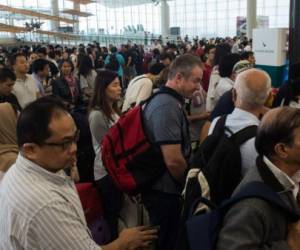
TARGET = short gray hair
x,y
251,90
184,65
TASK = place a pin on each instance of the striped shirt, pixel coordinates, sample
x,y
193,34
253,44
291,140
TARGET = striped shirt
x,y
41,210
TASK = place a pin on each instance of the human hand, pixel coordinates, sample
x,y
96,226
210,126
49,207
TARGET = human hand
x,y
137,237
293,237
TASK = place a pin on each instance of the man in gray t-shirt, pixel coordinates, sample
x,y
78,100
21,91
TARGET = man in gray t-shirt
x,y
167,128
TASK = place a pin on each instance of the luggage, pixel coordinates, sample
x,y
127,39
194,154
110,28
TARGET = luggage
x,y
92,207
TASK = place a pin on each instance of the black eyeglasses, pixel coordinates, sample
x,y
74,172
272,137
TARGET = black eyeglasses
x,y
66,144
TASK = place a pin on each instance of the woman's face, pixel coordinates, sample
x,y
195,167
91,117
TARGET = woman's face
x,y
113,90
66,68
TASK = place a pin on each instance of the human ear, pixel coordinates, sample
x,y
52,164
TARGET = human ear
x,y
29,150
281,150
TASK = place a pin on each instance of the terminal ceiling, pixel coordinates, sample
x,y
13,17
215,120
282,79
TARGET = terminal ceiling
x,y
124,3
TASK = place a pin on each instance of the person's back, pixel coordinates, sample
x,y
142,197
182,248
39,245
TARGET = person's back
x,y
251,90
255,223
141,87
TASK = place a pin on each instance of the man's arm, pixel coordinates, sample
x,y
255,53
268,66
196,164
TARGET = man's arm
x,y
175,161
58,226
132,238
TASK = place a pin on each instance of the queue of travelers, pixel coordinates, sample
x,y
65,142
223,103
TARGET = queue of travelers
x,y
197,102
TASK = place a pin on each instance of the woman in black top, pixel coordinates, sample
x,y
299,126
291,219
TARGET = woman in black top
x,y
67,85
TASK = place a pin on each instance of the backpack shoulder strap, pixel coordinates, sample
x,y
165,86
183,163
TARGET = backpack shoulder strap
x,y
245,134
137,79
220,124
262,191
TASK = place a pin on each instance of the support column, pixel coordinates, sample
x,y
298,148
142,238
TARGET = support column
x,y
11,22
76,6
251,17
294,40
55,12
165,20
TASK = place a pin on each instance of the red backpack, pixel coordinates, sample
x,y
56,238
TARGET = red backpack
x,y
127,154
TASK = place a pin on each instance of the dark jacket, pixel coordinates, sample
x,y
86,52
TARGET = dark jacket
x,y
254,224
224,106
12,99
61,89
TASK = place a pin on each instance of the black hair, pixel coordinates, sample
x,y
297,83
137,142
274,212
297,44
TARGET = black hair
x,y
245,55
39,65
209,47
222,49
42,50
226,64
67,61
292,91
99,99
13,58
156,68
113,49
85,65
33,122
6,73
166,55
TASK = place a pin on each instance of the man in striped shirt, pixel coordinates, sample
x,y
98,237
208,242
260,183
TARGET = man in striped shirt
x,y
39,206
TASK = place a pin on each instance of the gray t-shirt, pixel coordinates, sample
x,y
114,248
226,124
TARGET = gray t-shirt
x,y
165,123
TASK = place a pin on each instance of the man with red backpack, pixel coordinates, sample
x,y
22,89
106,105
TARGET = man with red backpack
x,y
167,129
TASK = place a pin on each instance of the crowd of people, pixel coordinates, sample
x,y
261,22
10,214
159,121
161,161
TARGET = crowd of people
x,y
58,103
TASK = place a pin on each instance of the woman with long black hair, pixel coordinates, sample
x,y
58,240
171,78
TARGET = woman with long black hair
x,y
104,112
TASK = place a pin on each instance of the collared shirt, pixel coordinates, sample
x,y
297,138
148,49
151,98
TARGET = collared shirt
x,y
289,183
41,210
38,83
25,90
165,123
236,121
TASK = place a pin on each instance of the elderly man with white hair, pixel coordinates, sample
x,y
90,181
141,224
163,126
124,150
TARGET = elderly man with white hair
x,y
250,92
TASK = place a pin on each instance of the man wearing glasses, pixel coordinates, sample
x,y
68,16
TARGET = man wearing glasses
x,y
39,206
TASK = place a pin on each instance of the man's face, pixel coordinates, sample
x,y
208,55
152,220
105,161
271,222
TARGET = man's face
x,y
21,65
187,86
59,150
6,87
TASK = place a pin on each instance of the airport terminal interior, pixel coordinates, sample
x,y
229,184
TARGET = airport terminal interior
x,y
150,124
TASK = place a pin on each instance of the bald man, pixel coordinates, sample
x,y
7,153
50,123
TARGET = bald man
x,y
250,92
255,224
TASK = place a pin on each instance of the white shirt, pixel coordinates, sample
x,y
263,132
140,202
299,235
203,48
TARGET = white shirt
x,y
139,89
289,183
25,90
89,80
236,121
41,210
213,81
223,86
